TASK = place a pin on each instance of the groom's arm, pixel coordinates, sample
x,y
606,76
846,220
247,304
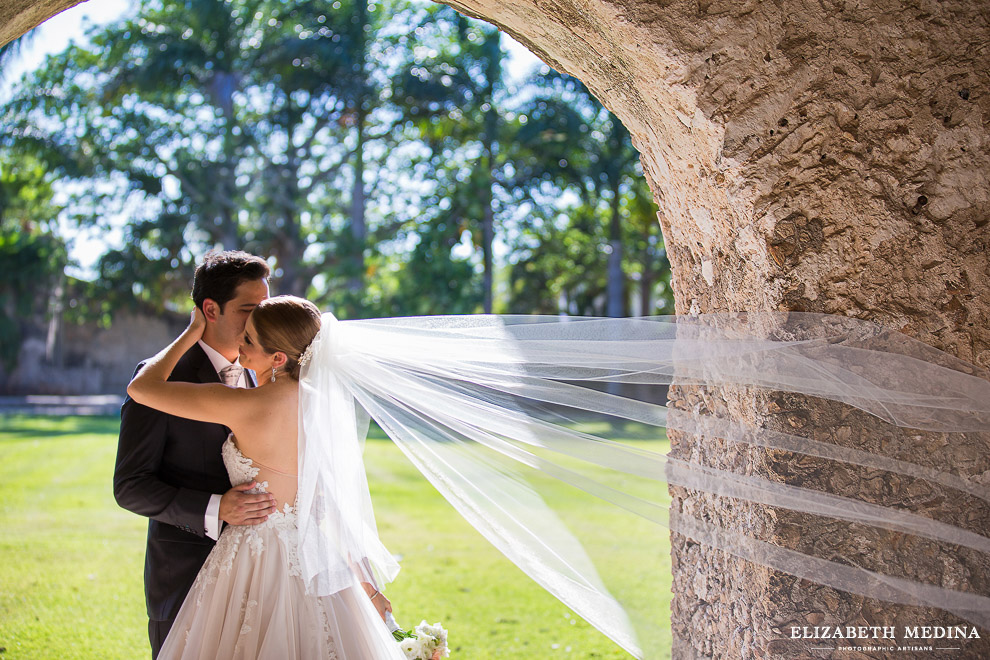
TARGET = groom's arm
x,y
136,484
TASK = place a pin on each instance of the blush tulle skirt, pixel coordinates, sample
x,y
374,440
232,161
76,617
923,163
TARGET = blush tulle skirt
x,y
249,602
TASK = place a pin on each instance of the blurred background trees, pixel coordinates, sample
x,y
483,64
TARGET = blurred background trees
x,y
379,152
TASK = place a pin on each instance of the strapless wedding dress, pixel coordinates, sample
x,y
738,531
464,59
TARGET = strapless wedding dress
x,y
249,601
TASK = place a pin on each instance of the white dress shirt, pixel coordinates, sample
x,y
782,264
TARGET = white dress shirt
x,y
213,508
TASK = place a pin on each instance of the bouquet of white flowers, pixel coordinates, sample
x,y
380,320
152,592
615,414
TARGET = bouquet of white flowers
x,y
426,642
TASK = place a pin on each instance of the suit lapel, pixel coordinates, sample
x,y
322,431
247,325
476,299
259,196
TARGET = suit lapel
x,y
252,380
205,372
204,369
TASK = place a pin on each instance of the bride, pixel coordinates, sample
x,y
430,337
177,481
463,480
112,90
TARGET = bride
x,y
250,599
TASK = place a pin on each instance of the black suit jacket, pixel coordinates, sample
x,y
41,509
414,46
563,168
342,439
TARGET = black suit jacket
x,y
167,468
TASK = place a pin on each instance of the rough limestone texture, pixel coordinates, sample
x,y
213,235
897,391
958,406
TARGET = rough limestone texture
x,y
818,155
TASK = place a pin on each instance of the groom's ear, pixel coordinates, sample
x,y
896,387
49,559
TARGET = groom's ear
x,y
211,310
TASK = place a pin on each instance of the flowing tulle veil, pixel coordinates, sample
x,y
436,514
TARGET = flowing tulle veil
x,y
522,424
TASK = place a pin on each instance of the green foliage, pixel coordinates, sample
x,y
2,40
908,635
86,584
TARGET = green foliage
x,y
450,86
432,280
563,139
31,259
373,150
30,264
561,263
216,123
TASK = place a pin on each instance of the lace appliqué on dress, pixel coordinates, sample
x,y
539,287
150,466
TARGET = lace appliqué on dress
x,y
283,523
249,561
240,469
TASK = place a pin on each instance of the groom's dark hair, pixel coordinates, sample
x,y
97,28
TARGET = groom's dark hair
x,y
218,277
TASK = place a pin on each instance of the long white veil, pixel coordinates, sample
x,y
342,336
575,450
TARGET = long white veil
x,y
523,424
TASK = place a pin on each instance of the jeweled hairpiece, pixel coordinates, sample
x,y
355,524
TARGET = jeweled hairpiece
x,y
307,354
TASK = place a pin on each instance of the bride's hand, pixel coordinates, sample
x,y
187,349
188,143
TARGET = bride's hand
x,y
197,323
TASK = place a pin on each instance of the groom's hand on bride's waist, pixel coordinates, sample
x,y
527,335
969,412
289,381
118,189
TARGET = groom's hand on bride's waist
x,y
239,507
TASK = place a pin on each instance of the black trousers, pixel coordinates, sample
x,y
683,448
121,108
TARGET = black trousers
x,y
157,632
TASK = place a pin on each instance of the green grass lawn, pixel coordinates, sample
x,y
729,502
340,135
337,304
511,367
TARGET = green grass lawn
x,y
71,561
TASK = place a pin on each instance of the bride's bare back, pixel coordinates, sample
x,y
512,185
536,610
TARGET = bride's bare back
x,y
265,429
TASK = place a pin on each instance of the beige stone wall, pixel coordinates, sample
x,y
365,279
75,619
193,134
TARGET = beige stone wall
x,y
93,360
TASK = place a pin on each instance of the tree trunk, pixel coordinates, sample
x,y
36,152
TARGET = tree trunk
x,y
646,283
493,73
359,229
291,245
54,354
615,279
221,90
488,240
358,223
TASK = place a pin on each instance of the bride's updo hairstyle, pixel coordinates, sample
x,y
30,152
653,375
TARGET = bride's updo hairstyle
x,y
287,324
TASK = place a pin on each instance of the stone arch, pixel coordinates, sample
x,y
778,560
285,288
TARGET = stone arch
x,y
818,155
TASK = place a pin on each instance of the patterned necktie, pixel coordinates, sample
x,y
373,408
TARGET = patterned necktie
x,y
231,375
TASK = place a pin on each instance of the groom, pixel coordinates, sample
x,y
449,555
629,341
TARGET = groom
x,y
170,469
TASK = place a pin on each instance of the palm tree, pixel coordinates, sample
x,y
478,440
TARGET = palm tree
x,y
571,141
454,100
247,105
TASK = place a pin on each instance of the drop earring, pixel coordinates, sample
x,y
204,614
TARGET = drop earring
x,y
274,369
